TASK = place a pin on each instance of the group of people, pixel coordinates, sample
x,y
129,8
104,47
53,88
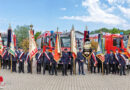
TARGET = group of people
x,y
114,63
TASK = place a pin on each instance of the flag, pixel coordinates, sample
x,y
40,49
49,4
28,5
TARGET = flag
x,y
11,49
128,47
32,44
100,54
57,51
1,45
73,43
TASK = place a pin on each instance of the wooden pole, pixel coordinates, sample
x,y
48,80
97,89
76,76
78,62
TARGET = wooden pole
x,y
11,63
74,69
31,66
88,64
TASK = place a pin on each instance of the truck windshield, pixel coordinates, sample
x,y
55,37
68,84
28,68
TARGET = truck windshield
x,y
65,41
117,42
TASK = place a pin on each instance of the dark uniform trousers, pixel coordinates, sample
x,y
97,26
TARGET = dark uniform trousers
x,y
4,64
29,66
92,68
64,69
45,66
38,67
106,68
54,68
99,66
81,67
21,66
14,66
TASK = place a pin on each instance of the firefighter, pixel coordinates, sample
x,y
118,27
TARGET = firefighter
x,y
80,60
5,58
46,61
21,60
117,58
106,63
111,62
65,60
39,61
122,63
28,62
93,61
53,64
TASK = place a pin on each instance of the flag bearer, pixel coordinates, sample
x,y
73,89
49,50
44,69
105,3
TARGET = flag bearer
x,y
80,60
111,62
122,63
93,61
39,61
106,63
65,60
21,61
53,64
71,63
5,58
28,62
46,60
117,58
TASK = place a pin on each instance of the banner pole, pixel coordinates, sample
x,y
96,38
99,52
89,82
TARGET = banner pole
x,y
11,63
31,66
74,69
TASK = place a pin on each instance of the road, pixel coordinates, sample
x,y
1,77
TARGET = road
x,y
16,81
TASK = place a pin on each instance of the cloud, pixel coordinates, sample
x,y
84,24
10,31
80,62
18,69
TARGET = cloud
x,y
96,14
63,9
126,11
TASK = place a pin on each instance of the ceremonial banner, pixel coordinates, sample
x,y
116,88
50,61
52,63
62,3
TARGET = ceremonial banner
x,y
73,43
100,54
11,49
32,45
1,45
57,51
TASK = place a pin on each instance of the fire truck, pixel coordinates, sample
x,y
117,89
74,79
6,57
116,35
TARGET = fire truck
x,y
112,41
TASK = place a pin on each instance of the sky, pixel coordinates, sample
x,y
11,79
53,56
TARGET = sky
x,y
47,15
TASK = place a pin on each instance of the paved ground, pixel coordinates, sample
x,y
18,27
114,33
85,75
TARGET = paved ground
x,y
16,81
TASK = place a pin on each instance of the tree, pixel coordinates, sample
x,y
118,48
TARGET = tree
x,y
22,32
25,44
114,31
36,35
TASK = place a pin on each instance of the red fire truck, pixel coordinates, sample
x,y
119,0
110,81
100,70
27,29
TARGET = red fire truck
x,y
112,42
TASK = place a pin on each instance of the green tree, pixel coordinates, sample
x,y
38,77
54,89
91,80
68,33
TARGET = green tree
x,y
36,35
22,32
115,31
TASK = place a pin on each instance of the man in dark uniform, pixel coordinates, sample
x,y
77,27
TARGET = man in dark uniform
x,y
14,61
46,60
71,63
80,60
65,60
117,58
39,61
53,64
106,63
111,60
28,62
21,61
122,62
5,58
93,61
